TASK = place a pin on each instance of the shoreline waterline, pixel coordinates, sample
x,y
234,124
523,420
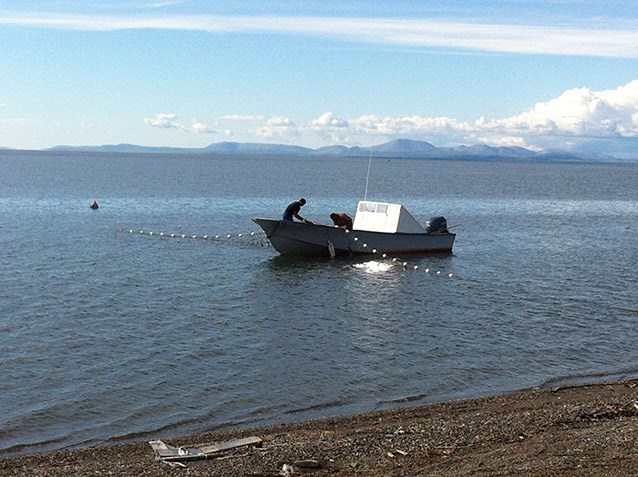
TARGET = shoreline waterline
x,y
582,427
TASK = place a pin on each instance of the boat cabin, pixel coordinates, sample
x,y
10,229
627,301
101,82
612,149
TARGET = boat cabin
x,y
385,217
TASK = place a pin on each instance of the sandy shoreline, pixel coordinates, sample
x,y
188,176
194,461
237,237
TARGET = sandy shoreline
x,y
579,430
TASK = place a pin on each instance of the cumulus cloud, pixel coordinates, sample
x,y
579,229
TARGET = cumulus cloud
x,y
199,127
582,112
406,125
330,128
329,120
279,128
506,141
169,121
580,119
280,122
165,121
576,117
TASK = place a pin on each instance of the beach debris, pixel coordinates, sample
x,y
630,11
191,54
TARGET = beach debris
x,y
309,464
303,465
165,452
393,454
286,470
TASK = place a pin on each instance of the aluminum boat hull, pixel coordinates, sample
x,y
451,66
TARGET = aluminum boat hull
x,y
302,239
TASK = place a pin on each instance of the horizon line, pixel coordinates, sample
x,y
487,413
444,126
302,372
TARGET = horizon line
x,y
536,152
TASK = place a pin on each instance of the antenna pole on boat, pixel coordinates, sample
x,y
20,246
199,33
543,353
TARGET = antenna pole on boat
x,y
365,195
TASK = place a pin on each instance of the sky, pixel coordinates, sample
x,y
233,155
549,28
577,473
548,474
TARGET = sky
x,y
539,74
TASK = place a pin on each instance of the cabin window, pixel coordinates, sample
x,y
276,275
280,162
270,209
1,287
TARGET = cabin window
x,y
373,207
367,207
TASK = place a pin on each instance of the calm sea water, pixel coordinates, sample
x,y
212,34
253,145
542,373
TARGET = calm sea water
x,y
107,335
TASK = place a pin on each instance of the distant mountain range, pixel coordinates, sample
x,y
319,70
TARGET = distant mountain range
x,y
399,148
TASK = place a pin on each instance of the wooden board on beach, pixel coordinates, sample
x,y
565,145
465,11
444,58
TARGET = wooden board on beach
x,y
166,452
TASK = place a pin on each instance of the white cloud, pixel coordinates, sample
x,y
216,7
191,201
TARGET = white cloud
x,y
279,128
242,118
329,119
586,40
199,127
165,121
581,112
406,125
169,121
577,118
506,141
279,122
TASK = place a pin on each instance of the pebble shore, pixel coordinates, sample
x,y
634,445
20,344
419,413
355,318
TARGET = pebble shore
x,y
584,430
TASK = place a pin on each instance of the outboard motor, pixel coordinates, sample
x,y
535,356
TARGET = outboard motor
x,y
436,225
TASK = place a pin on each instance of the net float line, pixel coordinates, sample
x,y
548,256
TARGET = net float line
x,y
246,237
263,241
398,261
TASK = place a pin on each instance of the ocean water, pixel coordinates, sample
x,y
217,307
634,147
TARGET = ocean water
x,y
108,335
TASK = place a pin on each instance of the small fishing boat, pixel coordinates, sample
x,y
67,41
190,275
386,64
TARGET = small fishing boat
x,y
378,227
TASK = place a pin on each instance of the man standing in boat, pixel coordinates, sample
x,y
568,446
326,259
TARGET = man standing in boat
x,y
293,210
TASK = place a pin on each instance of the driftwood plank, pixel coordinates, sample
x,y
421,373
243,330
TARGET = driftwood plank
x,y
162,449
169,453
227,445
166,452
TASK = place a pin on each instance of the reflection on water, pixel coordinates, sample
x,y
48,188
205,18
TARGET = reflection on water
x,y
373,267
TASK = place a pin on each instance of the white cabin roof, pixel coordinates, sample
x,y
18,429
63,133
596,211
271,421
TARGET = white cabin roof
x,y
385,217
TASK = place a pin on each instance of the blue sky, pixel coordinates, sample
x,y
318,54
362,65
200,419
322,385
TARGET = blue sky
x,y
560,74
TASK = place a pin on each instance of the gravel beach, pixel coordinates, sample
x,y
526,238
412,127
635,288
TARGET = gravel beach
x,y
584,430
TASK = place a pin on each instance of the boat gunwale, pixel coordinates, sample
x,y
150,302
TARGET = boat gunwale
x,y
332,227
